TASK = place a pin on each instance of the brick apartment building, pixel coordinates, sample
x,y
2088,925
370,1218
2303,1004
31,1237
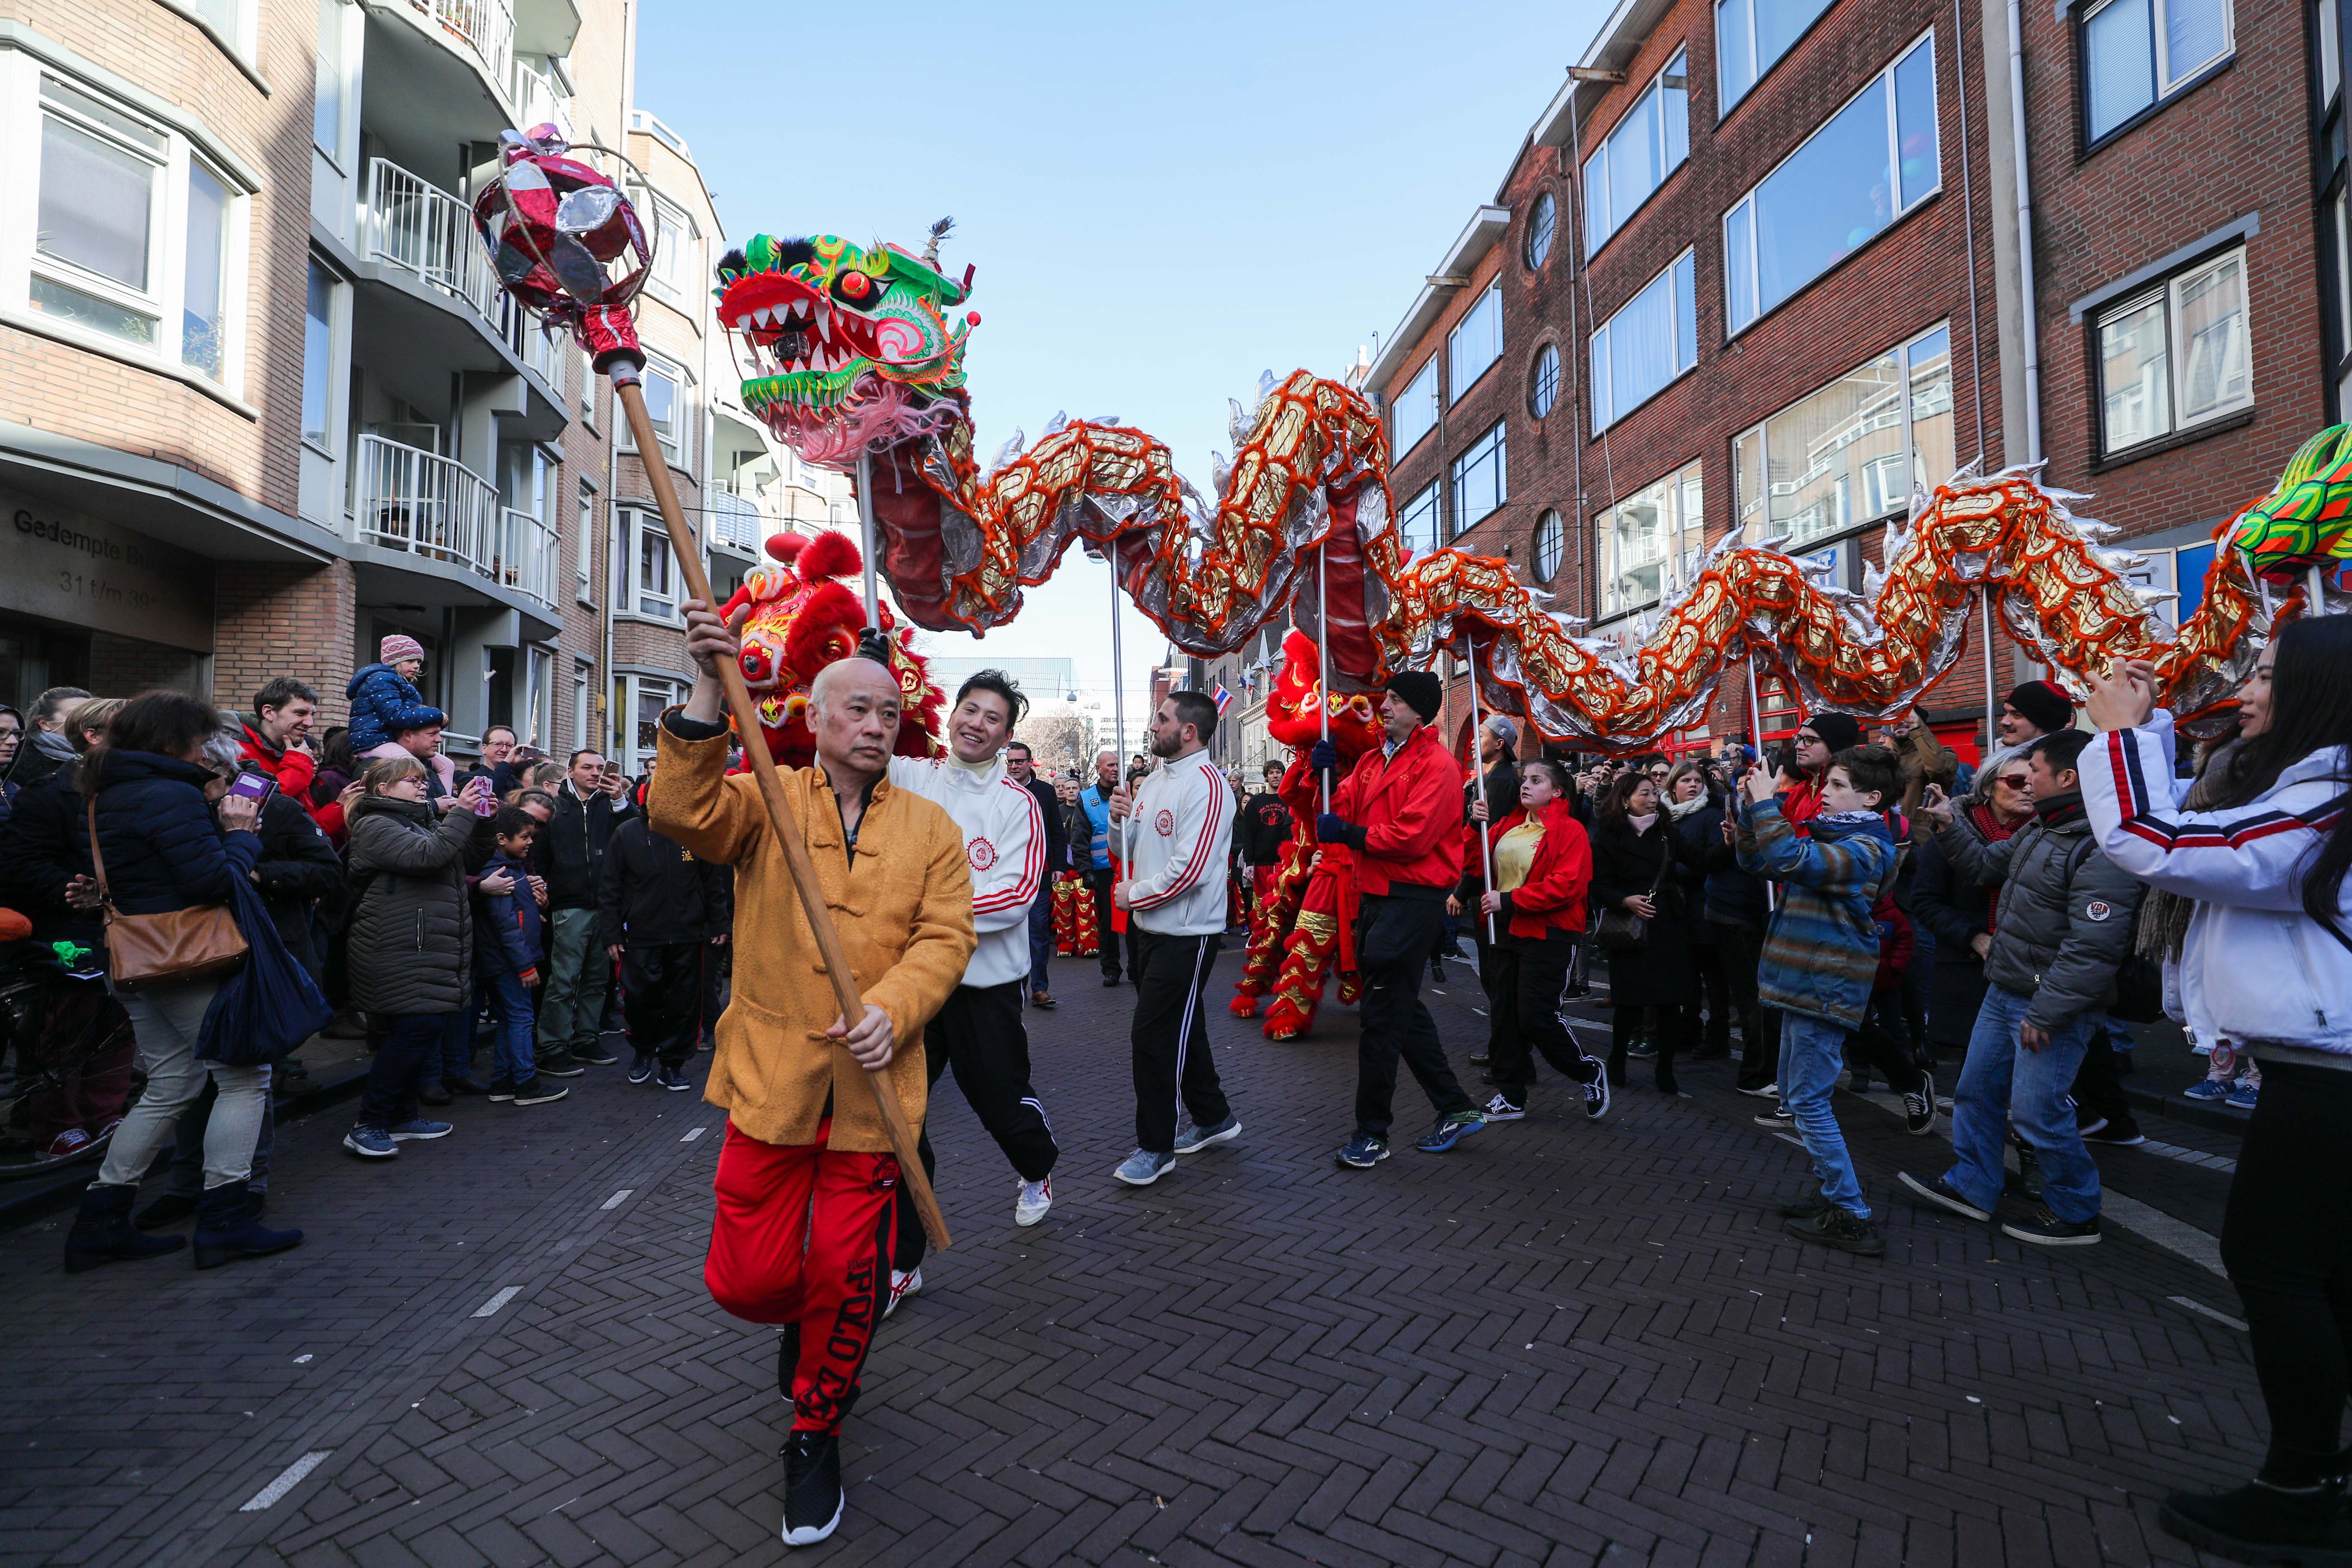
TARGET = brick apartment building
x,y
265,404
1759,263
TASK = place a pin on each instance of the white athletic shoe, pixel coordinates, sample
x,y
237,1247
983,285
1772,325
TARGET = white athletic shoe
x,y
903,1285
1035,1198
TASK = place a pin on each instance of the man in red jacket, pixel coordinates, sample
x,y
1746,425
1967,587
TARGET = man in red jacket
x,y
1400,817
276,738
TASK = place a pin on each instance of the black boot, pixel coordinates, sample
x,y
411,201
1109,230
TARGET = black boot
x,y
1666,1079
169,1209
227,1229
101,1232
2257,1524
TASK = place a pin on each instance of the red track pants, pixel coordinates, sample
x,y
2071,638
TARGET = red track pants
x,y
802,1238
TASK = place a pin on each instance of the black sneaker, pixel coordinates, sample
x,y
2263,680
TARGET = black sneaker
x,y
1500,1109
2119,1132
1943,1195
558,1064
596,1056
2259,1524
1919,1107
642,1069
535,1092
670,1078
464,1084
1478,1058
1841,1229
1643,1050
1808,1207
1775,1120
1364,1151
433,1093
1596,1092
502,1089
812,1499
2046,1229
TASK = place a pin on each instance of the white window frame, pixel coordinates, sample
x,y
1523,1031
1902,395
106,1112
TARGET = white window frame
x,y
672,689
23,111
2169,83
666,214
678,451
584,702
1425,501
1760,512
1758,68
1415,396
1679,278
585,536
1884,80
1495,442
1480,330
2168,290
634,527
1685,524
1599,198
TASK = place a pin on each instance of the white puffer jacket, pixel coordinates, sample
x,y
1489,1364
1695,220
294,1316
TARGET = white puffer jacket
x,y
1004,840
2256,968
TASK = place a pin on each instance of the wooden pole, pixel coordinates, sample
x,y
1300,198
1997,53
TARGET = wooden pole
x,y
779,816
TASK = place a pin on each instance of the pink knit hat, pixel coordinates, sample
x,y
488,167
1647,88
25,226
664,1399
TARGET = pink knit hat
x,y
395,647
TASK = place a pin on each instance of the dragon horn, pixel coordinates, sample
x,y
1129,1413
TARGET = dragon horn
x,y
940,231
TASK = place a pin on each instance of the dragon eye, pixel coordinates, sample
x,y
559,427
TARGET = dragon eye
x,y
856,285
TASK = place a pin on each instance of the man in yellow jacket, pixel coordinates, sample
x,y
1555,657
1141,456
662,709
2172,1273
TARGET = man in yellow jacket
x,y
807,1181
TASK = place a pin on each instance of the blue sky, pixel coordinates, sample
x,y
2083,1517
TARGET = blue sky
x,y
1161,201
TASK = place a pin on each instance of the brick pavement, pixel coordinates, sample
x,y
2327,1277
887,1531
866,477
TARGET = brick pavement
x,y
1562,1343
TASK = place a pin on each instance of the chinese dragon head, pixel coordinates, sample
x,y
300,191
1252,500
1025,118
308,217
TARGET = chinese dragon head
x,y
1292,705
849,346
803,618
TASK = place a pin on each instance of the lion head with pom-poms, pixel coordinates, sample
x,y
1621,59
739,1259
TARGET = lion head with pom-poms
x,y
1291,715
802,618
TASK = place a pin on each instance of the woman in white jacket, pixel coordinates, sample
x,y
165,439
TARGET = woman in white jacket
x,y
2267,963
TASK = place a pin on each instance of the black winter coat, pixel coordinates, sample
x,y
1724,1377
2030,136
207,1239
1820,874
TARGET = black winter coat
x,y
1626,863
656,893
44,846
411,939
1049,806
156,833
1956,911
569,852
298,873
1733,897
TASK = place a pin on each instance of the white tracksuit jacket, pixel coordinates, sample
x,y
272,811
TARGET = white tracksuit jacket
x,y
1003,840
2255,966
1184,836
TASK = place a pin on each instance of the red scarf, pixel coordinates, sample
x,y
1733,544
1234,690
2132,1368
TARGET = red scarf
x,y
1989,823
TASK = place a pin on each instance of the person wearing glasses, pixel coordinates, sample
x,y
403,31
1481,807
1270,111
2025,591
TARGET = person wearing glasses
x,y
1958,911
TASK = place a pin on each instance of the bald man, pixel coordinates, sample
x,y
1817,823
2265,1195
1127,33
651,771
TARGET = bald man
x,y
807,1181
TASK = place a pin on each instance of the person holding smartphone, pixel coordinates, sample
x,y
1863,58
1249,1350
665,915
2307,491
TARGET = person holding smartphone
x,y
569,856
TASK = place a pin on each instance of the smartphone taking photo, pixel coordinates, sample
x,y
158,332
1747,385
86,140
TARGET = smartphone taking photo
x,y
253,786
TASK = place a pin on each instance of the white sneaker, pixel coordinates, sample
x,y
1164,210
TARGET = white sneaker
x,y
1770,1092
1034,1199
903,1285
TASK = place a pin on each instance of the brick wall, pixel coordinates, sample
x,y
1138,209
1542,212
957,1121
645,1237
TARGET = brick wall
x,y
121,666
1912,276
274,619
2238,143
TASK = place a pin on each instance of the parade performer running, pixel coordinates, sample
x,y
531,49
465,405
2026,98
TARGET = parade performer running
x,y
978,1033
805,1219
1400,815
1175,900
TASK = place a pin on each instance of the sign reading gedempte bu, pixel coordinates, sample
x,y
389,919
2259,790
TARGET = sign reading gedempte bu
x,y
62,566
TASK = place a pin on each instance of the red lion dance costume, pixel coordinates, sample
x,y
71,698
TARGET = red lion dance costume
x,y
802,620
1304,923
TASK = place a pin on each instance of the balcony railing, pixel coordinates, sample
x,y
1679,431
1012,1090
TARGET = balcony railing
x,y
527,556
536,102
425,230
405,498
735,523
487,27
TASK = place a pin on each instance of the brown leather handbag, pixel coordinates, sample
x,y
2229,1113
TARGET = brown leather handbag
x,y
172,949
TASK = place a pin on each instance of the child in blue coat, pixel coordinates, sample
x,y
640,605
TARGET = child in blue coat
x,y
384,699
506,962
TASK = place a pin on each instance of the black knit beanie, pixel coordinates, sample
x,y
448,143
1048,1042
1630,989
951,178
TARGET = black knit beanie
x,y
1422,691
2045,707
1838,731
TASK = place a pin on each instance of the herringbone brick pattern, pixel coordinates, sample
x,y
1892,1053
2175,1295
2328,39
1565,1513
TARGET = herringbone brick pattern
x,y
1562,1343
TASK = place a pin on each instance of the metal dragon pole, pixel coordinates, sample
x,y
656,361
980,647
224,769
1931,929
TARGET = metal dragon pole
x,y
780,811
1478,771
1756,731
866,527
1992,698
1323,660
1119,715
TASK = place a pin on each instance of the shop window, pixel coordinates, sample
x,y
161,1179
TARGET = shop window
x,y
1650,542
1652,339
2137,53
2176,356
1416,411
1853,453
1874,161
1750,37
1481,479
1475,344
1650,143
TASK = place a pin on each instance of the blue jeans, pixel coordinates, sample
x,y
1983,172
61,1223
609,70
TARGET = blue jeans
x,y
2000,1083
414,1044
1041,936
512,1024
1811,1051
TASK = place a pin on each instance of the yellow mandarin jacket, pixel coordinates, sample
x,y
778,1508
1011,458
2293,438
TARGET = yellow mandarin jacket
x,y
904,912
